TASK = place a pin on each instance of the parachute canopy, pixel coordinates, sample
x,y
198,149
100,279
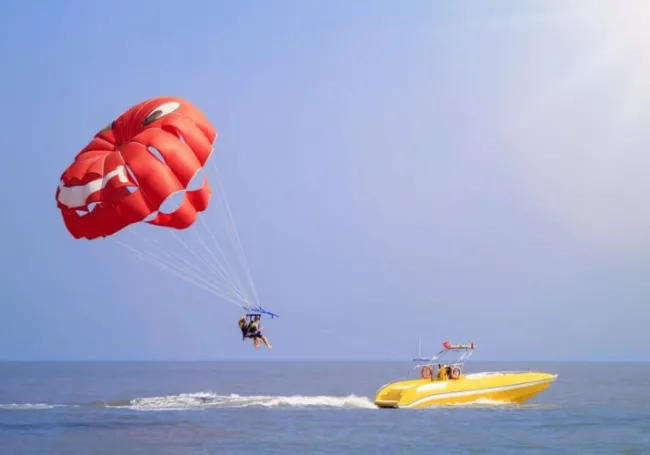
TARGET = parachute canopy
x,y
133,165
123,179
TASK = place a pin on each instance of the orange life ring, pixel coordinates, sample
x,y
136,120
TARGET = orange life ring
x,y
455,373
427,372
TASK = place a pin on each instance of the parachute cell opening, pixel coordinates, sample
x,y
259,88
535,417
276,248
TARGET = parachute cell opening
x,y
155,152
173,202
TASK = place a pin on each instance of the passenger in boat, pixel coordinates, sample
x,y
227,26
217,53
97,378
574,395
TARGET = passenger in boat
x,y
442,372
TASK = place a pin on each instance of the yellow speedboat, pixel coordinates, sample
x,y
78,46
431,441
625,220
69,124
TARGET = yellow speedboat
x,y
444,383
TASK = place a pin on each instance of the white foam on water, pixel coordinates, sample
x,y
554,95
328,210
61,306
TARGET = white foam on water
x,y
28,406
203,400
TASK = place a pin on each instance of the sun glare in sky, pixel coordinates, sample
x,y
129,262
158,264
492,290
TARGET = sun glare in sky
x,y
580,104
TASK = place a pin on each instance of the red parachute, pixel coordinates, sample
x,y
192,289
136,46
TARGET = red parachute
x,y
150,152
127,173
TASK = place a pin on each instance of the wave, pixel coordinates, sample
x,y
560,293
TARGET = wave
x,y
30,406
203,400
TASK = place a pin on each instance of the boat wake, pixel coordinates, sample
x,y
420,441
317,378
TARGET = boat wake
x,y
30,406
204,400
209,400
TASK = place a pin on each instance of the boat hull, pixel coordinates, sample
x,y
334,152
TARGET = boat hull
x,y
508,387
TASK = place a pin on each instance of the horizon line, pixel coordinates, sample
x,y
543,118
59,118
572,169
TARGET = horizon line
x,y
302,360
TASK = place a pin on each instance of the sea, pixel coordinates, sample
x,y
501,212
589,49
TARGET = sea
x,y
123,408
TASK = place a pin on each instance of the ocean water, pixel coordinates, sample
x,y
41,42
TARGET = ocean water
x,y
307,408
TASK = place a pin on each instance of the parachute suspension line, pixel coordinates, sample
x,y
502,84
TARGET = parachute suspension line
x,y
171,268
214,269
152,259
236,238
224,273
181,265
194,253
213,261
221,245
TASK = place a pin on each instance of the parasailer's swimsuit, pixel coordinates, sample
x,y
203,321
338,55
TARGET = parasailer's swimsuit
x,y
250,330
254,330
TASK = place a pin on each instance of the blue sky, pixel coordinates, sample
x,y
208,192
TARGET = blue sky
x,y
395,169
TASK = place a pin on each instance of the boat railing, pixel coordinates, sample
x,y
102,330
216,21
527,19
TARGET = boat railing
x,y
462,354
